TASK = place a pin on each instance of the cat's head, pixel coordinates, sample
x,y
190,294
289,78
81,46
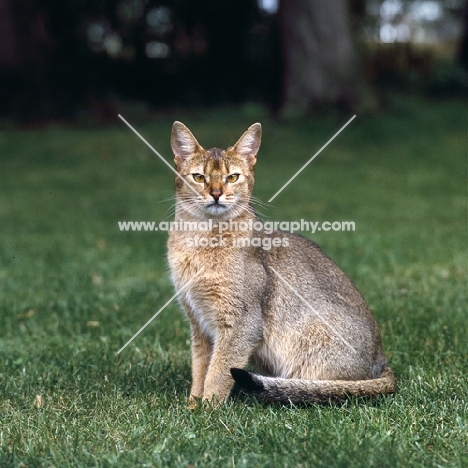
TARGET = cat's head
x,y
217,183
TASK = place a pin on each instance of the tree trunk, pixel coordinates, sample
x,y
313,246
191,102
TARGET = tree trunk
x,y
318,55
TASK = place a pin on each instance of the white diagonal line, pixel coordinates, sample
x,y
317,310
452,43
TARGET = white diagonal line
x,y
183,288
313,310
312,158
157,154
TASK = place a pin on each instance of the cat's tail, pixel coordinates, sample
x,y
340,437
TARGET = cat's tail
x,y
312,391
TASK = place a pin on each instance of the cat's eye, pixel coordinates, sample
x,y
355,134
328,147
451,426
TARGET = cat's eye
x,y
232,178
198,178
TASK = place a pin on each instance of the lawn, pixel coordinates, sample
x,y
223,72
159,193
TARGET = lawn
x,y
74,290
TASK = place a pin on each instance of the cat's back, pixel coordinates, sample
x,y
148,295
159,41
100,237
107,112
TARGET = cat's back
x,y
306,285
305,266
310,300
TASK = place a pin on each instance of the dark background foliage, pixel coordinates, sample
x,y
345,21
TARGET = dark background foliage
x,y
60,59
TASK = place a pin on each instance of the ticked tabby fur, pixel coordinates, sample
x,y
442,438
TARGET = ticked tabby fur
x,y
289,311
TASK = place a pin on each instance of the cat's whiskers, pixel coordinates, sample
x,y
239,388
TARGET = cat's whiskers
x,y
198,207
186,204
239,207
170,212
257,201
249,208
171,198
257,212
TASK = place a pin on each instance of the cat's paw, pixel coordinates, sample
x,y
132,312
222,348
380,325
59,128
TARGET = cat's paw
x,y
194,402
212,401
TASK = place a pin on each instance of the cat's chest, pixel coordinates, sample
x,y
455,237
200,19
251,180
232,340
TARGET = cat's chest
x,y
188,261
204,300
201,310
205,287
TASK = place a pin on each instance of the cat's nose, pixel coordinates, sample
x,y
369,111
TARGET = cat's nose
x,y
216,193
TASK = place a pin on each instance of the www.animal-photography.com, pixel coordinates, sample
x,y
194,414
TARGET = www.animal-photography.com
x,y
233,234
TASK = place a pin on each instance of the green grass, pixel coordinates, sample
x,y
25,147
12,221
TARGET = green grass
x,y
74,289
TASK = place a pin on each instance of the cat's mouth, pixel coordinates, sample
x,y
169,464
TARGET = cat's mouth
x,y
217,207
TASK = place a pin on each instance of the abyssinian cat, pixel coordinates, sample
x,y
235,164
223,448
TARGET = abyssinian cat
x,y
288,310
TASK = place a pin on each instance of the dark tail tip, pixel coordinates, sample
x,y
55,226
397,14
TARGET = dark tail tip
x,y
246,380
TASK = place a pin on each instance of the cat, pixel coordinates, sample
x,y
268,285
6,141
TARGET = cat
x,y
288,309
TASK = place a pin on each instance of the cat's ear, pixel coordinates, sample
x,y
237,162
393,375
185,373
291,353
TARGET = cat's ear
x,y
249,143
183,143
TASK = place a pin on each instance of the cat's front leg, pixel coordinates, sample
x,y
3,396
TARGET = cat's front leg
x,y
233,348
201,349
